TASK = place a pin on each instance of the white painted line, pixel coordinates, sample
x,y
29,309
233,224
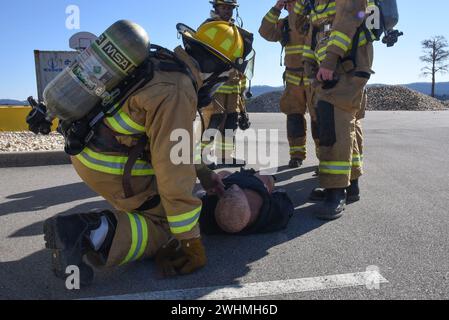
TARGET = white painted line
x,y
262,289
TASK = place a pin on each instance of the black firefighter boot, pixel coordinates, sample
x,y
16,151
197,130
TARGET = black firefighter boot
x,y
295,163
352,193
68,238
333,206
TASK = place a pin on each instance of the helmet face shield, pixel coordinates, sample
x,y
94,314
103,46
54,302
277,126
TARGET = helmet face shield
x,y
247,65
249,55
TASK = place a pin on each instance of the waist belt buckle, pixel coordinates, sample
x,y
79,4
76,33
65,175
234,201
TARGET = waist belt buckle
x,y
327,27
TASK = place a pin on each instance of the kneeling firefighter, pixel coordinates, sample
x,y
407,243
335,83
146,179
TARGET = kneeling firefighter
x,y
291,32
339,53
126,154
227,111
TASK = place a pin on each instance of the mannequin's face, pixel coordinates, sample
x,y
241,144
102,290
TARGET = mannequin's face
x,y
224,11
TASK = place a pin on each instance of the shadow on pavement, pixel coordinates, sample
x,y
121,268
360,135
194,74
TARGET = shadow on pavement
x,y
229,259
36,228
44,198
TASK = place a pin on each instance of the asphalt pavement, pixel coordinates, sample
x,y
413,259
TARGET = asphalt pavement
x,y
400,228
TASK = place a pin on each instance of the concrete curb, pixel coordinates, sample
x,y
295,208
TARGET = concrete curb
x,y
33,159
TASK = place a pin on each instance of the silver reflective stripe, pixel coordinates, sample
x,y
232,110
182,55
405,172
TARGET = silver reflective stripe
x,y
139,237
185,222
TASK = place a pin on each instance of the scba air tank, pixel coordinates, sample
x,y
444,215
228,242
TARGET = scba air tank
x,y
97,71
390,13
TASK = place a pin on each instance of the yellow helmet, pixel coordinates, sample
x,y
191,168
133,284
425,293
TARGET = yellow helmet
x,y
221,38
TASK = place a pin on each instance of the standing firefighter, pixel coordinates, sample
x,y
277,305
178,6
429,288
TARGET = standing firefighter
x,y
228,103
291,33
128,161
339,52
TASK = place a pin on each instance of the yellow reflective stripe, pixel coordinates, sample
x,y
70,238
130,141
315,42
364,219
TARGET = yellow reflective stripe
x,y
335,163
295,80
112,164
340,40
144,237
307,81
134,239
228,89
330,11
309,53
123,124
299,7
211,33
357,160
301,149
139,237
184,222
271,17
335,167
294,49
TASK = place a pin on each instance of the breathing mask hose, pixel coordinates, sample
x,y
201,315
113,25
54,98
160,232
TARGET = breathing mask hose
x,y
238,18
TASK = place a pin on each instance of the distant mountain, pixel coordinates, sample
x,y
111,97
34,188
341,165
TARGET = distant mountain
x,y
260,90
9,102
442,88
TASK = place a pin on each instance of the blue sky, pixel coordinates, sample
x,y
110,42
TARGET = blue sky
x,y
26,25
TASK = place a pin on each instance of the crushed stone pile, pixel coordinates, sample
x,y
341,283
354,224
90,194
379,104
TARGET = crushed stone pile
x,y
380,98
399,98
28,141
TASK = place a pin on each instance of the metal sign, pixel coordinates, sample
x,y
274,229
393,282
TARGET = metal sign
x,y
48,65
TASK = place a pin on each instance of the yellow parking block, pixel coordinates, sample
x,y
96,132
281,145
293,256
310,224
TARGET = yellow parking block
x,y
13,118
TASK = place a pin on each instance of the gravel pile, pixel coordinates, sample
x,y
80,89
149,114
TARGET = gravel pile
x,y
380,98
268,102
28,141
398,98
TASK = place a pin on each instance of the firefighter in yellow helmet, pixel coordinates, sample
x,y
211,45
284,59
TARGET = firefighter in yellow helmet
x,y
339,54
228,105
291,32
155,213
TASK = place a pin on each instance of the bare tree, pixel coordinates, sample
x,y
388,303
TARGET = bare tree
x,y
435,56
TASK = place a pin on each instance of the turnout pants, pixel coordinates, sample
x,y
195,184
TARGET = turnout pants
x,y
222,116
294,105
311,103
339,113
139,232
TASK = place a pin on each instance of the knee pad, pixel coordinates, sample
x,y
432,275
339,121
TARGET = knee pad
x,y
295,125
326,124
216,120
315,131
232,121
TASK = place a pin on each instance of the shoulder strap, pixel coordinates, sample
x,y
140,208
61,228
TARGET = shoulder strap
x,y
169,62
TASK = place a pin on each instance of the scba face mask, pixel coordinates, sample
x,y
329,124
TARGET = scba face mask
x,y
215,72
210,86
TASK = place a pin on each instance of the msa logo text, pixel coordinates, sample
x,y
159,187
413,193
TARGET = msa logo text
x,y
115,55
